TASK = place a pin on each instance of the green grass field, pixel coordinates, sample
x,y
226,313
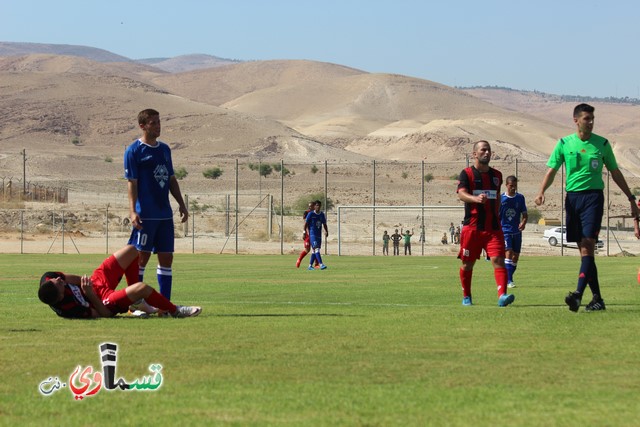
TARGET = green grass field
x,y
370,341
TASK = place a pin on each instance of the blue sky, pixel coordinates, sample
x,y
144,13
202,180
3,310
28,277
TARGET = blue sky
x,y
586,47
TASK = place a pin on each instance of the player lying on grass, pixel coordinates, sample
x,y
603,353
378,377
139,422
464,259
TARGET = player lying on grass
x,y
82,297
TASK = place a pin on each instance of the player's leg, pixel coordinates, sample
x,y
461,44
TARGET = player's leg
x,y
143,291
164,246
127,258
317,246
469,253
305,251
143,241
508,261
495,248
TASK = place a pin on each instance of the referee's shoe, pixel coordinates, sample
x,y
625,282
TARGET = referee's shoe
x,y
596,304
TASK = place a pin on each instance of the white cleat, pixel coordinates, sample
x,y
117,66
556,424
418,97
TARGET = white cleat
x,y
186,311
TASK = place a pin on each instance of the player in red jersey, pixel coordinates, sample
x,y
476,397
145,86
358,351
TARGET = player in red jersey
x,y
479,189
305,237
82,297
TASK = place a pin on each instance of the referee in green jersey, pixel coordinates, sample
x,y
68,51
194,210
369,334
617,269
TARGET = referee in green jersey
x,y
584,153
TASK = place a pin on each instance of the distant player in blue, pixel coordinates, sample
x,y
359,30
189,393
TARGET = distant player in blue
x,y
313,226
149,171
513,216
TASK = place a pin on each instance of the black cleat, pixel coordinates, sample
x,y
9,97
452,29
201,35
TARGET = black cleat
x,y
573,300
596,304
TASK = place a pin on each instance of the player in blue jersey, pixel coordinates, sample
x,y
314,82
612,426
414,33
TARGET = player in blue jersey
x,y
149,170
513,216
313,225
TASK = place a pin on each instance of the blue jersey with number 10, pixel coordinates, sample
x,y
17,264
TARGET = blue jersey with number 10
x,y
315,221
152,167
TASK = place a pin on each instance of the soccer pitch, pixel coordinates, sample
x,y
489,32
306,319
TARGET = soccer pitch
x,y
369,341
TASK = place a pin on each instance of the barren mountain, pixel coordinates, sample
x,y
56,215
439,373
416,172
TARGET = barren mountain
x,y
70,120
186,62
616,122
71,107
92,53
219,85
363,112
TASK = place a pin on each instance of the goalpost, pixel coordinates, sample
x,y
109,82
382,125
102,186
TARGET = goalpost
x,y
360,227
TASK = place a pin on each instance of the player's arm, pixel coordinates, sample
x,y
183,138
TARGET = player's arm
x,y
72,279
100,310
523,221
465,197
618,178
636,226
326,230
132,191
546,183
174,188
463,191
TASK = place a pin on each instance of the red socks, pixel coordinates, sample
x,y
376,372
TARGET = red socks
x,y
501,280
157,300
465,280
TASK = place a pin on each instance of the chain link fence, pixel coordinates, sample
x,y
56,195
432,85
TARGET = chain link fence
x,y
257,207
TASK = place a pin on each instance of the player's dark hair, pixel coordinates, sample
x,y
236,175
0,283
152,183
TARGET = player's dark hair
x,y
475,144
144,115
583,108
317,202
48,293
50,275
511,178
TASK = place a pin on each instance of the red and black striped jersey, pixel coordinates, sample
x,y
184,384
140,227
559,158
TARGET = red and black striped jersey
x,y
486,216
74,304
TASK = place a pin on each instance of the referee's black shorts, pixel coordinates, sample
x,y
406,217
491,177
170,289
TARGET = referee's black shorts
x,y
584,214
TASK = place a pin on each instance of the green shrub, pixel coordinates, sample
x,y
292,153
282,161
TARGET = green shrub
x,y
212,173
181,172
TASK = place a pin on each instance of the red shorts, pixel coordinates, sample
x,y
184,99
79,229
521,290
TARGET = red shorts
x,y
105,280
307,242
473,241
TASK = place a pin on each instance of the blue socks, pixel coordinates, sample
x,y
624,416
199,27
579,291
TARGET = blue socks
x,y
165,280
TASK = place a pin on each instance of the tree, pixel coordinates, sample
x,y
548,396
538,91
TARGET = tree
x,y
533,215
279,168
428,177
302,203
265,169
181,172
212,173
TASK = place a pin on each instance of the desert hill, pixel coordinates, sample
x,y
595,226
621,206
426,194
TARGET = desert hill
x,y
613,120
72,106
92,53
183,63
81,122
58,64
363,112
219,85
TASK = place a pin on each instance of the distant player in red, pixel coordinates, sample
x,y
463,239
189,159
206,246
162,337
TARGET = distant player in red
x,y
479,189
305,237
81,297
